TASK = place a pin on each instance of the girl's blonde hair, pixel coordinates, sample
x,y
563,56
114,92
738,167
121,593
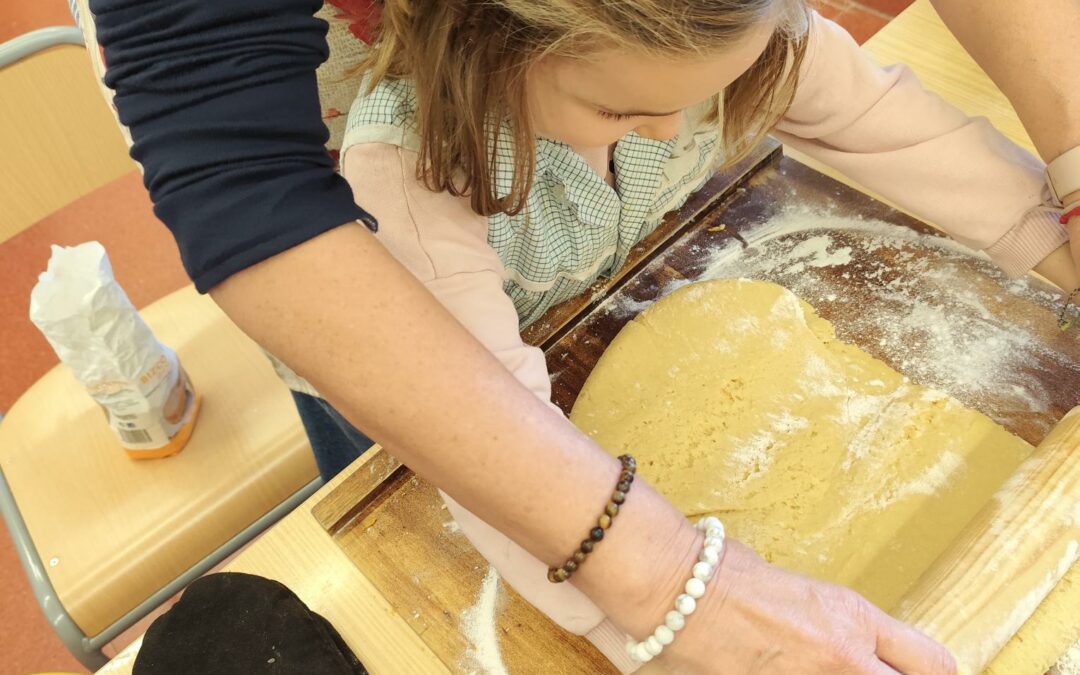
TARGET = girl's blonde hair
x,y
468,60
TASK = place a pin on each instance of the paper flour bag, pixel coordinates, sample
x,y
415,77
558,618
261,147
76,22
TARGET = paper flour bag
x,y
96,332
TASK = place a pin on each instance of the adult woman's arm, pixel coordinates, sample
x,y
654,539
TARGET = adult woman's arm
x,y
392,360
1031,55
221,101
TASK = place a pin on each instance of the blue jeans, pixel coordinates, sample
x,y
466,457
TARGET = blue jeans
x,y
335,442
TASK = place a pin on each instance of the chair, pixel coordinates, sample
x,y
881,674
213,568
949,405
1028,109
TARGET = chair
x,y
105,539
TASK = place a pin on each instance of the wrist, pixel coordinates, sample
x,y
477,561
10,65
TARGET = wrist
x,y
656,592
635,576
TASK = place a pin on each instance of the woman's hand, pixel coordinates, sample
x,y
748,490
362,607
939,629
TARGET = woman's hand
x,y
756,618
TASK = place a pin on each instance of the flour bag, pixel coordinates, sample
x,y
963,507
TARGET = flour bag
x,y
94,329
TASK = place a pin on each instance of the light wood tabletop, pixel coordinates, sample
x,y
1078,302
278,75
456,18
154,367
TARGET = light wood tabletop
x,y
300,554
59,137
114,530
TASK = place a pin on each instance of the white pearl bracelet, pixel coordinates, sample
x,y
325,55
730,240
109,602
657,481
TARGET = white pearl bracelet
x,y
686,603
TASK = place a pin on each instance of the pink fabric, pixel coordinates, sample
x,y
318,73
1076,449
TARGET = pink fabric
x,y
444,244
879,126
882,129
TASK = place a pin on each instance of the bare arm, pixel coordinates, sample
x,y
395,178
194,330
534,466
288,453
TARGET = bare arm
x,y
394,361
882,128
389,357
1032,57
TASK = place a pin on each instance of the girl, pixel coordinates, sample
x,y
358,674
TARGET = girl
x,y
513,151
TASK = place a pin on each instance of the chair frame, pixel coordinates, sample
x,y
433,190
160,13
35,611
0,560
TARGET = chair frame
x,y
88,648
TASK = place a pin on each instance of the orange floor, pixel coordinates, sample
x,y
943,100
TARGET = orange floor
x,y
146,264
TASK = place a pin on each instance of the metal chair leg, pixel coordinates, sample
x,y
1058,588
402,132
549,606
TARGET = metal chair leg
x,y
88,649
74,639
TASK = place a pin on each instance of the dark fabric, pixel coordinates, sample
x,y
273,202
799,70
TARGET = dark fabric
x,y
232,623
335,442
221,100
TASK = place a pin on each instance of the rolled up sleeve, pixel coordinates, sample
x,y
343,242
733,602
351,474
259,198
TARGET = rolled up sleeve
x,y
221,101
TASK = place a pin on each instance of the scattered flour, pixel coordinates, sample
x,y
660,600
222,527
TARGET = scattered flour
x,y
921,312
1069,664
814,252
755,456
935,477
478,625
786,423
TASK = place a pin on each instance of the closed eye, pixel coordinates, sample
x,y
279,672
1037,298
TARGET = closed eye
x,y
612,116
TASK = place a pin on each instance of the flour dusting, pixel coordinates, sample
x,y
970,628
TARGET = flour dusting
x,y
478,625
814,252
754,456
917,305
1069,663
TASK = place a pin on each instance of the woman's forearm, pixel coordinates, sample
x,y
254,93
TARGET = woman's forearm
x,y
1031,56
347,317
1060,266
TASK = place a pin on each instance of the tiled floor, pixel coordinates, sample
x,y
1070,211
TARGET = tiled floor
x,y
861,18
146,264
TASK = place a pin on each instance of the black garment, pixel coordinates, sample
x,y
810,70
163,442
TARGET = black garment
x,y
221,100
232,623
335,442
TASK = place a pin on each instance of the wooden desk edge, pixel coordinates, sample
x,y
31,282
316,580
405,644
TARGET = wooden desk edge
x,y
299,553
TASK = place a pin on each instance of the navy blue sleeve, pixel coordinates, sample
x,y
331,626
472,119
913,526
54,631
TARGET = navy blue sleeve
x,y
221,100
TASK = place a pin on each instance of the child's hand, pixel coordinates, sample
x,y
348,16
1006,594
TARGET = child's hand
x,y
756,618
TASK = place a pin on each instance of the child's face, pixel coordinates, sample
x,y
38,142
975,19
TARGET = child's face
x,y
596,101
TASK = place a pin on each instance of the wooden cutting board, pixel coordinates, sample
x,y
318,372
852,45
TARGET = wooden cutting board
x,y
395,529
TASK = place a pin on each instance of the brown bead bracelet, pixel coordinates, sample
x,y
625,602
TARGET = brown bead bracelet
x,y
558,575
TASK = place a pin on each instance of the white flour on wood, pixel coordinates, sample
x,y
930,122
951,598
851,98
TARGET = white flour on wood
x,y
921,309
479,626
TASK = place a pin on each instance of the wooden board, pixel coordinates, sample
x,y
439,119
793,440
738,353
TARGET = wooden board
x,y
401,538
1054,364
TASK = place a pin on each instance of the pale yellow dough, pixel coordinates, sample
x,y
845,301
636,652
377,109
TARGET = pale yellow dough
x,y
739,401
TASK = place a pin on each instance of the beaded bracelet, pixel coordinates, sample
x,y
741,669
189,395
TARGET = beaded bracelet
x,y
626,479
686,603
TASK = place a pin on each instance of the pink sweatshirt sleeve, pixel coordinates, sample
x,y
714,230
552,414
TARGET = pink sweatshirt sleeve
x,y
883,129
444,244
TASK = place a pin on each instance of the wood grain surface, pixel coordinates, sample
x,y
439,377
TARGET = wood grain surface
x,y
983,588
59,138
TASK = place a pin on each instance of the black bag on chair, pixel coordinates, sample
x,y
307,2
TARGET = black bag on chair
x,y
232,623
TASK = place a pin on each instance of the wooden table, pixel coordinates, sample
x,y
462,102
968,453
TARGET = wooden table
x,y
300,554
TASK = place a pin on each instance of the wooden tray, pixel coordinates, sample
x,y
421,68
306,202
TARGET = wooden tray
x,y
394,527
786,204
